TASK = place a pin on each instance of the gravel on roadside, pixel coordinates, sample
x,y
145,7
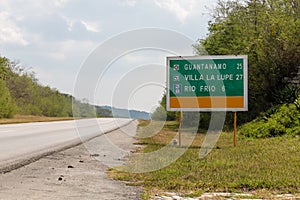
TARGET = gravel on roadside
x,y
75,173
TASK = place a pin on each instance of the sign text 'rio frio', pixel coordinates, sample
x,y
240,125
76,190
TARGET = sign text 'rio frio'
x,y
207,83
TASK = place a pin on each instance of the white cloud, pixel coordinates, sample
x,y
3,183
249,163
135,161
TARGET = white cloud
x,y
60,34
69,22
128,2
32,8
70,48
181,9
91,26
10,33
61,3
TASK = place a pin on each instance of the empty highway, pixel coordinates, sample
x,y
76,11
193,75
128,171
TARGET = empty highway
x,y
22,143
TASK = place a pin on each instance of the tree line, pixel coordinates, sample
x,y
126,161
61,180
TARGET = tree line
x,y
268,32
20,93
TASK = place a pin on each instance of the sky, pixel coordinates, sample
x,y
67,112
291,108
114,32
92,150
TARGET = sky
x,y
108,52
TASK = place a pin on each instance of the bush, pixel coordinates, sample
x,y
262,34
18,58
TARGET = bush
x,y
160,114
287,95
284,120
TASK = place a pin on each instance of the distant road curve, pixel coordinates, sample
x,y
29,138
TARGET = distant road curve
x,y
21,144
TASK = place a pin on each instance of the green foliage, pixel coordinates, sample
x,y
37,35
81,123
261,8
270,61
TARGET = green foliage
x,y
204,122
285,120
102,112
21,94
83,109
4,68
7,108
161,114
34,99
268,32
287,95
269,165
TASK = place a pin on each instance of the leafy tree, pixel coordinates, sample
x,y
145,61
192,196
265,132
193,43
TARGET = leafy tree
x,y
4,68
22,91
83,109
7,108
20,87
161,114
102,112
268,32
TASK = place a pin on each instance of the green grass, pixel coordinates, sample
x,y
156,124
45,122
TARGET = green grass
x,y
271,165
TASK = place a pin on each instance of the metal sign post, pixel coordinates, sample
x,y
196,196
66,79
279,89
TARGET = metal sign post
x,y
207,83
234,131
179,132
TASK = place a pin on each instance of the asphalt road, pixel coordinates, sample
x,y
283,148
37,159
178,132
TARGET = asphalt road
x,y
21,144
75,173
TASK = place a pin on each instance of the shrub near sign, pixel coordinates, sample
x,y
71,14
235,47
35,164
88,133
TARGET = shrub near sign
x,y
207,83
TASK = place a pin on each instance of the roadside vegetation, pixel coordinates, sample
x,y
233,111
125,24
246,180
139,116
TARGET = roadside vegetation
x,y
281,120
268,32
266,159
21,94
259,166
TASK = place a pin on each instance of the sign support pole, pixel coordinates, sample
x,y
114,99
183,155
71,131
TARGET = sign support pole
x,y
179,132
234,127
207,79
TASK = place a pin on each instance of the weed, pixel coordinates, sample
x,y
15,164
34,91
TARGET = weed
x,y
270,164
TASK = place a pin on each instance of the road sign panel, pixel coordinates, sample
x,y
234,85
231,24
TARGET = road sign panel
x,y
207,83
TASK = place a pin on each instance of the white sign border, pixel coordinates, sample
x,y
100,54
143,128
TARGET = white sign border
x,y
245,62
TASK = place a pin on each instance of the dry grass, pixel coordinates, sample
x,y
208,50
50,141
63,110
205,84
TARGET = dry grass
x,y
30,118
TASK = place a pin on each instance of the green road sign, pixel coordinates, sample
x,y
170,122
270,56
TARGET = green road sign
x,y
207,83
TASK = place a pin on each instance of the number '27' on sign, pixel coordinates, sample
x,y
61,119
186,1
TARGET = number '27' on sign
x,y
207,83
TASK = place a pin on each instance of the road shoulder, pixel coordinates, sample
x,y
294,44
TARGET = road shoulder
x,y
75,173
